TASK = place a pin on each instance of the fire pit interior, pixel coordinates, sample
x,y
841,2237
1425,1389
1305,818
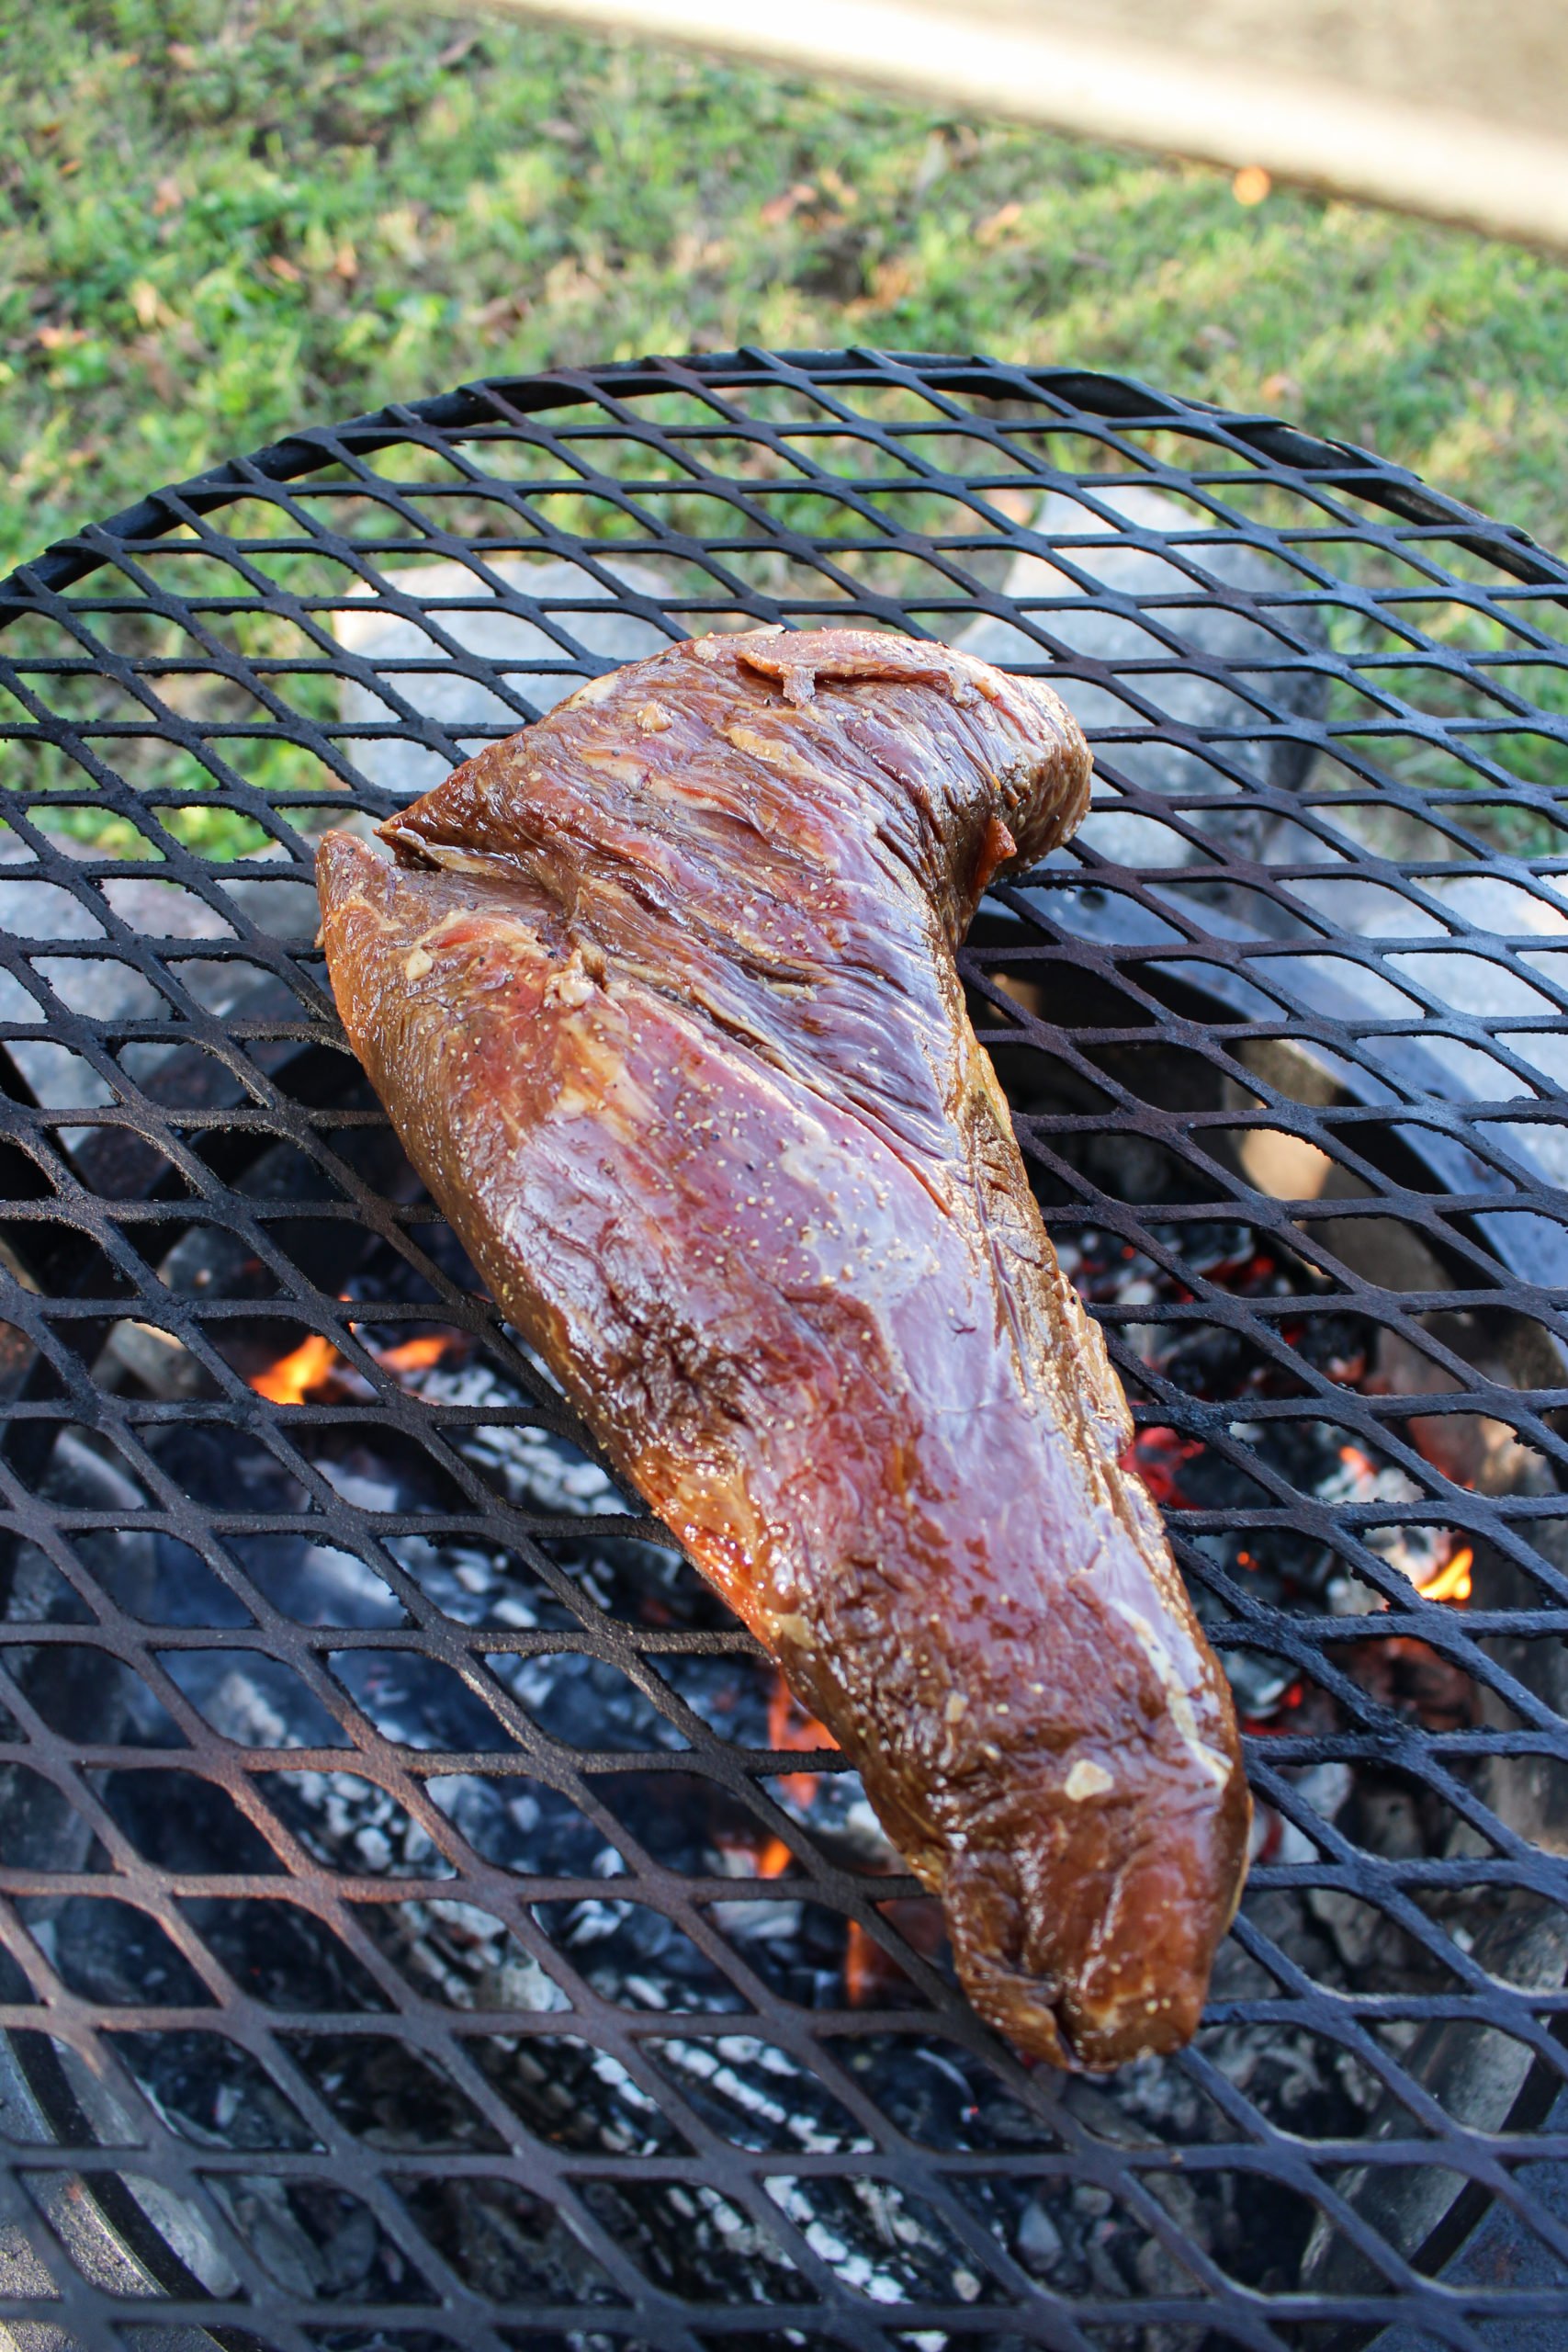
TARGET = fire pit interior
x,y
425,1917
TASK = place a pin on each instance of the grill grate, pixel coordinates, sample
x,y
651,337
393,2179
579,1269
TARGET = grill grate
x,y
420,1922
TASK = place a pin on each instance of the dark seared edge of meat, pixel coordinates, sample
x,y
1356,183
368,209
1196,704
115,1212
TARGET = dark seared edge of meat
x,y
662,996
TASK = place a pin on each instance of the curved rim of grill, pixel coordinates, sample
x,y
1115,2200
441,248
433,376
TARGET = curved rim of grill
x,y
1354,859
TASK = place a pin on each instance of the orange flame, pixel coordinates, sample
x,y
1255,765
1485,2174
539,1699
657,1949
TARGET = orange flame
x,y
790,1726
291,1380
1452,1579
316,1362
420,1354
746,1859
775,1858
861,1958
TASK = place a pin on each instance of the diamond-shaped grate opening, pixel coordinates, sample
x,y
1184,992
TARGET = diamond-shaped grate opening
x,y
423,1921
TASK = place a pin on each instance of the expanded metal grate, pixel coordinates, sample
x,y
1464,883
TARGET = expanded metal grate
x,y
422,1919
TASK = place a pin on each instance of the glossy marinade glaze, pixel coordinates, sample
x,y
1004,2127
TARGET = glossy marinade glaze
x,y
661,996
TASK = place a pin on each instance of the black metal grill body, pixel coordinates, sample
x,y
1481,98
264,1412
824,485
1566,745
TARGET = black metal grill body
x,y
1302,980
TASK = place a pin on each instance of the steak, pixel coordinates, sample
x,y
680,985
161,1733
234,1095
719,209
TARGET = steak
x,y
662,996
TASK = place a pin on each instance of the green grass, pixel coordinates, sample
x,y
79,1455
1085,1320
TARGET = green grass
x,y
227,217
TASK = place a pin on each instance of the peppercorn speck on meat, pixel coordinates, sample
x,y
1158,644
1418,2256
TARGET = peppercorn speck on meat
x,y
662,996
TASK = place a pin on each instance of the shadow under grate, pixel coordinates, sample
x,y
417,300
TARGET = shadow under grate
x,y
424,1920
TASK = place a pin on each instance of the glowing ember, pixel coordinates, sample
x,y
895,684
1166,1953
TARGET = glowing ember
x,y
775,1858
1158,1454
291,1380
790,1726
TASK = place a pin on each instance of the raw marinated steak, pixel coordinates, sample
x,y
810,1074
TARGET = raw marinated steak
x,y
661,996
